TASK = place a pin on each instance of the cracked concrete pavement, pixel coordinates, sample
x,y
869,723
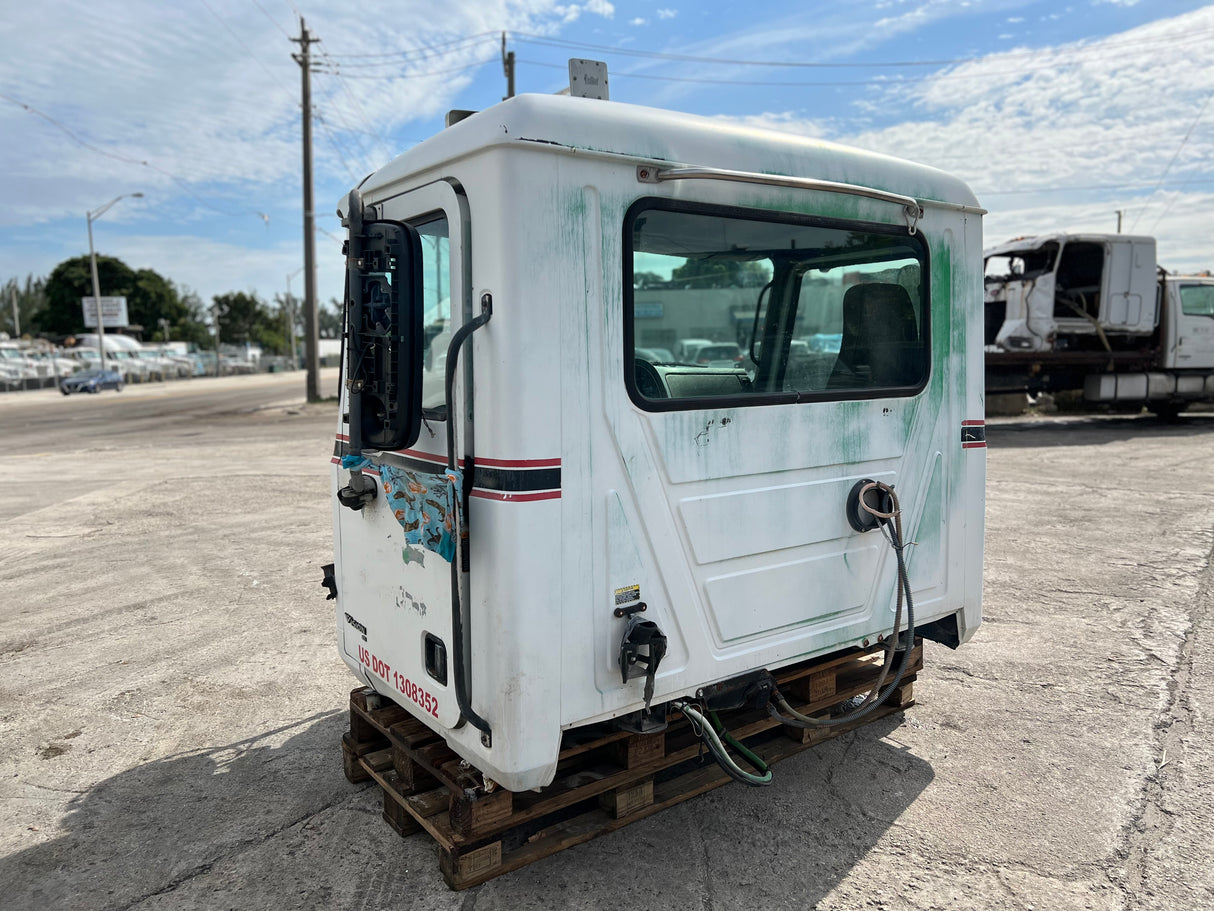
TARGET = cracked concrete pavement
x,y
171,699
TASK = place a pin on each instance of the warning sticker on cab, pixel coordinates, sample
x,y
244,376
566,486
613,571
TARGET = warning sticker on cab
x,y
627,595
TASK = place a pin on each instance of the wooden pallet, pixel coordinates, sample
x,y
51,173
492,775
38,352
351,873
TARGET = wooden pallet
x,y
605,779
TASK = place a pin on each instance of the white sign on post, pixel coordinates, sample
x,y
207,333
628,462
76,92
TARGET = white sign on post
x,y
113,312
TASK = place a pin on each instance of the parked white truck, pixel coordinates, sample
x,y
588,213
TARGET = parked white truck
x,y
1095,312
541,524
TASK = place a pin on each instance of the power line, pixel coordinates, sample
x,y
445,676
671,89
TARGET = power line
x,y
404,75
1189,133
425,50
1168,207
1093,144
127,159
1104,186
274,21
336,146
362,148
883,81
245,47
689,58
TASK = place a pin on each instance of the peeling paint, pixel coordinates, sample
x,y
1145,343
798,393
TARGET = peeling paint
x,y
405,600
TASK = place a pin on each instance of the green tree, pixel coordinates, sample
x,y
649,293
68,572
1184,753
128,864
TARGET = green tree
x,y
721,273
31,303
244,317
328,319
192,327
70,281
150,297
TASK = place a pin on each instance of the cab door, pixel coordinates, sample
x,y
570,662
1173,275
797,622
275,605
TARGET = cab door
x,y
1193,305
726,514
393,563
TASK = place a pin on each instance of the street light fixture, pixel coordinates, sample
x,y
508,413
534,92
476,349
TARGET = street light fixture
x,y
92,217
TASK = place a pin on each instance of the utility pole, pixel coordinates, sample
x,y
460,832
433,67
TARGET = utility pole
x,y
508,67
1120,212
311,339
16,315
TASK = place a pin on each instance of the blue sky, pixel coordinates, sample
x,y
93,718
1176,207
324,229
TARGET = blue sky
x,y
1058,116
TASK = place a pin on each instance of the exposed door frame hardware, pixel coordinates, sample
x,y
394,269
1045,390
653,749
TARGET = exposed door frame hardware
x,y
359,492
329,581
631,609
643,644
643,722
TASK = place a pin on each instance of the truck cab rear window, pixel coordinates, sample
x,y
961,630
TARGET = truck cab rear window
x,y
725,304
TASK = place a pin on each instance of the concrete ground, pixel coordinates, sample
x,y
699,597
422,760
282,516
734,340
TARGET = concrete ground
x,y
171,699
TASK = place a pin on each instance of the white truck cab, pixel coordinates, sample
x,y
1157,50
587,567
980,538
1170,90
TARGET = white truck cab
x,y
1095,312
535,527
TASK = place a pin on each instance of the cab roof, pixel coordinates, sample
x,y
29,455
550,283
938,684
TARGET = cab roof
x,y
1037,241
570,125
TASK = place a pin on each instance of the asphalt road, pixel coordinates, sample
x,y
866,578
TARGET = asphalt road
x,y
171,700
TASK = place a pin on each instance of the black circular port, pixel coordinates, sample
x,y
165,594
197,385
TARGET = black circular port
x,y
861,519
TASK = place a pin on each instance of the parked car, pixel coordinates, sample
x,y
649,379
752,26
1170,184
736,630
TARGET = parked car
x,y
92,380
656,355
685,349
718,354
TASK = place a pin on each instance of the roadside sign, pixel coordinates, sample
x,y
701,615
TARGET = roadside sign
x,y
113,312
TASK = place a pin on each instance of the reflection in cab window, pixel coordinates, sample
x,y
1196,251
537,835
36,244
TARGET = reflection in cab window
x,y
745,307
436,317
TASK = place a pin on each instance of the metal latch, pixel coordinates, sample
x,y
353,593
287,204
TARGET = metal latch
x,y
641,651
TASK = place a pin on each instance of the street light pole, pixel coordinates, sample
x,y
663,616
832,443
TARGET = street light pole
x,y
92,217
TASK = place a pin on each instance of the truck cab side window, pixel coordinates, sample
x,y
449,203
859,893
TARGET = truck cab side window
x,y
436,317
1197,300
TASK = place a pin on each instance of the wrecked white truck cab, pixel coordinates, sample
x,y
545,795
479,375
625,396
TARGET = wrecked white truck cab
x,y
544,519
1095,312
1041,288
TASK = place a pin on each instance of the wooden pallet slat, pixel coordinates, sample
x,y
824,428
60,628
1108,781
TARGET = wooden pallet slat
x,y
605,779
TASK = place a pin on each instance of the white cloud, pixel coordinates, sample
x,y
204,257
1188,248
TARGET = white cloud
x,y
1061,138
1114,2
573,11
197,106
637,21
667,13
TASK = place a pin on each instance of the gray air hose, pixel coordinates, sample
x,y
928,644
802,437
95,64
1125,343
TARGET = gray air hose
x,y
891,526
